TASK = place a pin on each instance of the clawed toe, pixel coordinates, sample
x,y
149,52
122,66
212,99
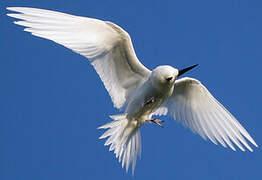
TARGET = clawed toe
x,y
157,121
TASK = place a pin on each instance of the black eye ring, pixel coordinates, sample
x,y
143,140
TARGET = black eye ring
x,y
169,79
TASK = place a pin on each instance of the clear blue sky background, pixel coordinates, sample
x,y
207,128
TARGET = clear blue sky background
x,y
52,100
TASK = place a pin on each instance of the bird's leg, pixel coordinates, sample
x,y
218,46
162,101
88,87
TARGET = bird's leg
x,y
150,101
157,121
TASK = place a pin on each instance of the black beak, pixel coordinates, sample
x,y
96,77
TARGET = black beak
x,y
182,71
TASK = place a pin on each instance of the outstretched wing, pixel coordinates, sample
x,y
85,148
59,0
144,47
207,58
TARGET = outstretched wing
x,y
194,106
106,45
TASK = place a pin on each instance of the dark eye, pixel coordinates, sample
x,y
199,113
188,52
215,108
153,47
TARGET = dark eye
x,y
169,79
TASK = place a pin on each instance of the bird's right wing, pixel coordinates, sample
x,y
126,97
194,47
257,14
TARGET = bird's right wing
x,y
106,45
195,107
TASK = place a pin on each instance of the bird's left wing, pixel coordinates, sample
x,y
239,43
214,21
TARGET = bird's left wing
x,y
106,45
195,107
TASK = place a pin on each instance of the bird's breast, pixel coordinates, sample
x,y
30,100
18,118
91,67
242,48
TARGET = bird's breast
x,y
145,101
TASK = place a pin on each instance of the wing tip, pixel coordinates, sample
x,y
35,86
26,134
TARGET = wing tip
x,y
10,8
11,14
255,144
17,9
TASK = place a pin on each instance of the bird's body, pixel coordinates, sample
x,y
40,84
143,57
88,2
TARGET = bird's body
x,y
149,96
143,93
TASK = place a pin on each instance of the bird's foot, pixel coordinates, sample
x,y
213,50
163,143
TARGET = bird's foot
x,y
157,121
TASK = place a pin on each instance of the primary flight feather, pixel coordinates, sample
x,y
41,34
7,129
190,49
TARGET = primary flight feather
x,y
143,93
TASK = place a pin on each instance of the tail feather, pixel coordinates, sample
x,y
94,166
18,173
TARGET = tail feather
x,y
124,138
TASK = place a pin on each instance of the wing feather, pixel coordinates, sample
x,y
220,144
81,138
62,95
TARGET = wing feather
x,y
193,105
107,46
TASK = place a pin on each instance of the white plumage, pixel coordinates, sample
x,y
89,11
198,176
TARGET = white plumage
x,y
142,92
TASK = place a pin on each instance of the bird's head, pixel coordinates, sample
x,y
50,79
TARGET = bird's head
x,y
166,75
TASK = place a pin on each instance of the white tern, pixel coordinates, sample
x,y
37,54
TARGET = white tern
x,y
143,93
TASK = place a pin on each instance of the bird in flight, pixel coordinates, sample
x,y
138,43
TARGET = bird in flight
x,y
140,91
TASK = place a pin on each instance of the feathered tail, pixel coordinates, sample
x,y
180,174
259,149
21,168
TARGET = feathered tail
x,y
124,138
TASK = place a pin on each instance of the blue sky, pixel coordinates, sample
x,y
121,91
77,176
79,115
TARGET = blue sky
x,y
52,100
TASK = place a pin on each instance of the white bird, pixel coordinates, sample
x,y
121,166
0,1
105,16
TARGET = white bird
x,y
143,93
